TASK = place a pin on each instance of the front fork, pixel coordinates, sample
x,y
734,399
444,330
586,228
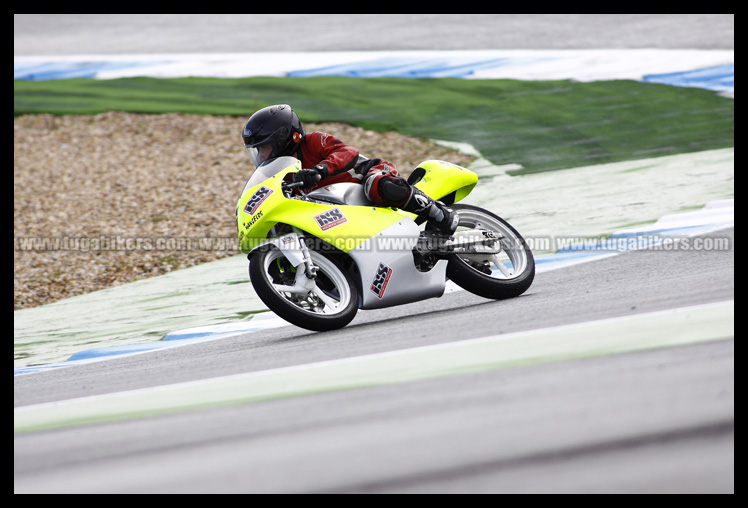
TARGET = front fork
x,y
309,269
294,248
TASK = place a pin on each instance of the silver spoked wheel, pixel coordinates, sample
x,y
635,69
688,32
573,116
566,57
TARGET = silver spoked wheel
x,y
511,262
503,274
326,302
329,293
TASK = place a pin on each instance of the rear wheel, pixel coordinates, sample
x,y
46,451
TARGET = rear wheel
x,y
327,302
504,275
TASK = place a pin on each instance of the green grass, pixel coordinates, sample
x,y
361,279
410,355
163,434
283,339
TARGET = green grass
x,y
543,125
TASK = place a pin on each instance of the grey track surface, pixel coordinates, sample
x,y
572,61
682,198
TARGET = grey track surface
x,y
655,421
628,284
72,34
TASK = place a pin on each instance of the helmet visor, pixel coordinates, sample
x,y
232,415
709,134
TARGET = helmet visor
x,y
259,154
252,152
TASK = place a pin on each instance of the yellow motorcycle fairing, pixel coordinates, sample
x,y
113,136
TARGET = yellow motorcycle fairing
x,y
263,206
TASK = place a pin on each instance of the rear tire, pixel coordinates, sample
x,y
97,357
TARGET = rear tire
x,y
475,274
333,303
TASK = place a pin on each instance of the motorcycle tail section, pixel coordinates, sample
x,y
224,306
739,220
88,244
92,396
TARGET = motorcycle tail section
x,y
443,181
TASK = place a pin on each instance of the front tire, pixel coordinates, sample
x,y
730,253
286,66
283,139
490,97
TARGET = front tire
x,y
505,276
332,302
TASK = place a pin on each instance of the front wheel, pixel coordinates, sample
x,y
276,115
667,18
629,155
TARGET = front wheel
x,y
504,275
327,302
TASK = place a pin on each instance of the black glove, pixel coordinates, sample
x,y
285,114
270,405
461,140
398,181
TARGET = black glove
x,y
312,175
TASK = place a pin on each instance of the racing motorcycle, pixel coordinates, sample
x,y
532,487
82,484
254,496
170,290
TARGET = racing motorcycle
x,y
316,258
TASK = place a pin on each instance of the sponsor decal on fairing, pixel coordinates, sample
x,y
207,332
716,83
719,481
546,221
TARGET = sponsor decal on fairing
x,y
330,219
381,279
257,199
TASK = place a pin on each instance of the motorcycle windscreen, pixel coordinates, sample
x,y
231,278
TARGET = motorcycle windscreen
x,y
270,169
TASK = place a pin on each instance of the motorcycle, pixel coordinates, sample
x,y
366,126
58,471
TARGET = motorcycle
x,y
316,258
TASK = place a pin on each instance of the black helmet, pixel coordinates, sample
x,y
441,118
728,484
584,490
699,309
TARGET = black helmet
x,y
275,125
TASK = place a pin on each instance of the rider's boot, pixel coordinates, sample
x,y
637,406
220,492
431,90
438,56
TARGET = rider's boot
x,y
435,212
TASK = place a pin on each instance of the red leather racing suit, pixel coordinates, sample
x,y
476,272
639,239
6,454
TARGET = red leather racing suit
x,y
381,182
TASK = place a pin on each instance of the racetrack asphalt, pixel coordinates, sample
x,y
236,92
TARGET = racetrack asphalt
x,y
652,421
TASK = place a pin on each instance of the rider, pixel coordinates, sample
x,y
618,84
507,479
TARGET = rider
x,y
276,131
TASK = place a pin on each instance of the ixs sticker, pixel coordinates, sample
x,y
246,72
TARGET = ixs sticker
x,y
330,219
381,279
257,199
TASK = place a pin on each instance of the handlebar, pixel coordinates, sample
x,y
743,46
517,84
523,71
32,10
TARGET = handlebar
x,y
297,185
289,186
